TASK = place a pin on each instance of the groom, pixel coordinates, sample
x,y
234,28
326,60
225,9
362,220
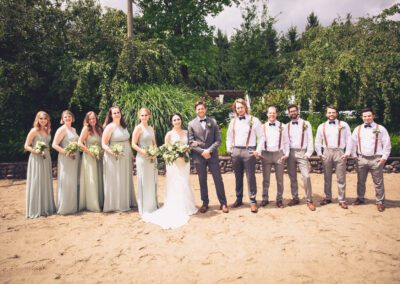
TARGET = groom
x,y
205,138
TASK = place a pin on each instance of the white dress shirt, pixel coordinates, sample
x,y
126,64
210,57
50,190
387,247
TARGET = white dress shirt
x,y
367,139
203,123
271,137
332,133
295,135
241,131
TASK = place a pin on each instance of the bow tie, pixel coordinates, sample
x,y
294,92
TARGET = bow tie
x,y
272,124
367,125
331,122
242,117
295,122
203,120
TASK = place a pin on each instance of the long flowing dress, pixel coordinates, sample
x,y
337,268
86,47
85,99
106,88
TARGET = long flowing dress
x,y
91,195
146,174
68,177
119,194
178,199
39,184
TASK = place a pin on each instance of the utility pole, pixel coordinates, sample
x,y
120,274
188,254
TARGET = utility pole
x,y
130,19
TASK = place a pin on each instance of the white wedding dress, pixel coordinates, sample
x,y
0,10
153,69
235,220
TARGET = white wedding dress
x,y
178,198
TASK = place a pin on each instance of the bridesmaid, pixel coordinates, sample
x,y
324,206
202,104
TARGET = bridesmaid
x,y
39,184
118,183
68,166
91,195
143,137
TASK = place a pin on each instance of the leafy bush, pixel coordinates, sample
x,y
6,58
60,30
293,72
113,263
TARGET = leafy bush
x,y
219,111
222,148
162,100
395,140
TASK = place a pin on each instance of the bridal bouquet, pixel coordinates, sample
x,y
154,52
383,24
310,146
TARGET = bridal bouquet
x,y
72,149
171,152
40,146
96,151
152,152
118,150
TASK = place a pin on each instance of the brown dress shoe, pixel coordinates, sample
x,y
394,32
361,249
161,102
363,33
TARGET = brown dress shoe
x,y
358,201
237,203
279,204
343,205
325,201
264,203
380,207
311,205
253,208
224,208
203,208
294,202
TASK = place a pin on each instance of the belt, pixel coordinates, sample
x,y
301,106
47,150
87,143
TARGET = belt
x,y
297,149
244,147
334,149
370,157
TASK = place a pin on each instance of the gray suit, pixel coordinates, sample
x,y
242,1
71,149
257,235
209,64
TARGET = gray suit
x,y
208,138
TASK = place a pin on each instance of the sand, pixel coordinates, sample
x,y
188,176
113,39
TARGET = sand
x,y
290,245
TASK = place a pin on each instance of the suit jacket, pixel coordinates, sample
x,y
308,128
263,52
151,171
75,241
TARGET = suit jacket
x,y
209,138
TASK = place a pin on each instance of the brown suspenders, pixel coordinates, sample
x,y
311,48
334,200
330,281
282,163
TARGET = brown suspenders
x,y
359,138
265,136
248,135
302,133
324,133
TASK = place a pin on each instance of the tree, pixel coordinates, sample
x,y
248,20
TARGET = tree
x,y
182,26
312,21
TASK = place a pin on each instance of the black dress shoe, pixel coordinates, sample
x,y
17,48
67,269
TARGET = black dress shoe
x,y
264,203
294,201
358,201
237,203
224,208
203,208
279,204
325,201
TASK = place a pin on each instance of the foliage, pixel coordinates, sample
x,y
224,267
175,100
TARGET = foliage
x,y
222,148
395,141
162,100
219,111
182,26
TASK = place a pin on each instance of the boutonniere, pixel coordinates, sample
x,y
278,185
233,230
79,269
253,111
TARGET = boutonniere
x,y
376,130
280,127
209,124
341,127
305,126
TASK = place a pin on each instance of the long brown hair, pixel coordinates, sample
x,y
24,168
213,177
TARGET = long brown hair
x,y
109,119
86,123
36,124
242,102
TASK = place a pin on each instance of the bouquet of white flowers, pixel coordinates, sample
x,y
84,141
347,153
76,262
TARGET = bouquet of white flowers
x,y
40,146
171,152
96,151
71,149
152,152
118,150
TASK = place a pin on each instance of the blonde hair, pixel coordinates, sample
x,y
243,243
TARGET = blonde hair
x,y
242,102
36,121
86,123
67,112
144,109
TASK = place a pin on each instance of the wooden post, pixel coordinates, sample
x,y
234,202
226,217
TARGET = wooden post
x,y
130,19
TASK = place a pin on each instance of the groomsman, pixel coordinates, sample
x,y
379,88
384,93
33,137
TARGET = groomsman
x,y
275,153
205,138
243,134
333,146
301,148
371,144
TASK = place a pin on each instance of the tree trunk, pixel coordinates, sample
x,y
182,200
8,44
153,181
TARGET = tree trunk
x,y
130,19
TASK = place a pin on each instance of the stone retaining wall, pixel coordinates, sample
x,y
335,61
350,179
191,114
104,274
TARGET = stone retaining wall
x,y
18,170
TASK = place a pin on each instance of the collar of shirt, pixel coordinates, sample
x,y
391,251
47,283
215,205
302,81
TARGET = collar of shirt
x,y
300,121
201,118
276,122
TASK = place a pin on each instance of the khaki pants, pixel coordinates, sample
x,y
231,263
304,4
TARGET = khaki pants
x,y
372,165
297,157
332,158
270,159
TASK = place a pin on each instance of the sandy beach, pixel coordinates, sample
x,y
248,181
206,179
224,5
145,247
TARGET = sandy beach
x,y
289,245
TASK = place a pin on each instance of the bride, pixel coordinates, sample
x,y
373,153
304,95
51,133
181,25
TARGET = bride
x,y
178,198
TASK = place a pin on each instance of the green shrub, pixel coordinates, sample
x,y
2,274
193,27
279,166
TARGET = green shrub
x,y
162,100
222,148
395,140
